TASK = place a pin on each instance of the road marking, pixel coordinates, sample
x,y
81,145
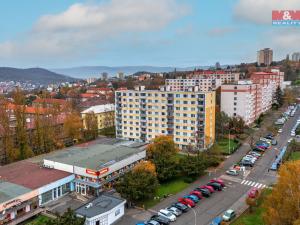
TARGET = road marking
x,y
253,184
259,186
243,181
256,185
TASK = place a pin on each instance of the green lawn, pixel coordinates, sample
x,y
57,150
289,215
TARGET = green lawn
x,y
295,156
39,220
167,188
224,145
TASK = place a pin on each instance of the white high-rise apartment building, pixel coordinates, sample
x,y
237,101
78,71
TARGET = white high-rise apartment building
x,y
242,99
224,76
207,84
296,56
187,116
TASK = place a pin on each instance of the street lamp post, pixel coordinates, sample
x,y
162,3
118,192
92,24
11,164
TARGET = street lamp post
x,y
229,151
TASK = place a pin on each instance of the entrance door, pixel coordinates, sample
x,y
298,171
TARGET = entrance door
x,y
81,188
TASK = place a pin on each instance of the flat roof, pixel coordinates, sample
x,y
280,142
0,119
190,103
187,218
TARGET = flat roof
x,y
10,191
95,154
30,175
99,206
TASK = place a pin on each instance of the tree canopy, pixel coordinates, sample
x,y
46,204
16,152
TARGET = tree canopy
x,y
283,205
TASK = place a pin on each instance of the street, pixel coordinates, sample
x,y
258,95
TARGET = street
x,y
233,196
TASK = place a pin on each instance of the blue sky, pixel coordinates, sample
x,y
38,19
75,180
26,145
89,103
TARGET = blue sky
x,y
178,33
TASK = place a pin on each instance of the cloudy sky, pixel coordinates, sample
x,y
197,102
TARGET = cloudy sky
x,y
64,33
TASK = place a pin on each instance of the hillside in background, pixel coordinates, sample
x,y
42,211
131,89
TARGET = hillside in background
x,y
32,75
96,71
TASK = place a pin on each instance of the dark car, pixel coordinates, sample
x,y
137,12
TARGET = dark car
x,y
205,192
215,185
246,163
160,219
180,206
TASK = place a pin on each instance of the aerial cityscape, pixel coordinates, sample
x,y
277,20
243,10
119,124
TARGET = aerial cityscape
x,y
150,112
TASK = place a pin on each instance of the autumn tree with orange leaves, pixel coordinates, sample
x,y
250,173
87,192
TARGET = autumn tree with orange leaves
x,y
282,207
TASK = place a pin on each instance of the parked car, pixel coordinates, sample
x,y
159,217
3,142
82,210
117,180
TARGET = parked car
x,y
232,172
177,212
197,193
254,153
140,223
162,220
217,221
216,186
253,193
229,215
274,142
220,181
187,202
246,163
204,191
152,222
210,188
259,149
165,213
180,206
280,131
194,198
266,140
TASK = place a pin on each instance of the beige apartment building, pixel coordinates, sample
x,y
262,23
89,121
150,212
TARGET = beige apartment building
x,y
187,116
265,56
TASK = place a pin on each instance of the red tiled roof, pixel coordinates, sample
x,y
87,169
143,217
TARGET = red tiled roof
x,y
50,101
88,95
28,109
30,175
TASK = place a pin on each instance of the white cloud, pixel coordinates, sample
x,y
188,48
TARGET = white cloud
x,y
83,27
260,11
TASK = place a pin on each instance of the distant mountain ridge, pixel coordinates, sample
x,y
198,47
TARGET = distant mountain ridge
x,y
96,71
33,75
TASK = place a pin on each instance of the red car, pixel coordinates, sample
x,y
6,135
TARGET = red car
x,y
210,188
187,202
253,193
197,193
218,181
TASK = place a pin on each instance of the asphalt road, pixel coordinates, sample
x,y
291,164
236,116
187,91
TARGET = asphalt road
x,y
236,187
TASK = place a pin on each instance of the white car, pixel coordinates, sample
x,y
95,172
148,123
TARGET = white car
x,y
167,214
174,211
280,130
232,172
229,215
290,140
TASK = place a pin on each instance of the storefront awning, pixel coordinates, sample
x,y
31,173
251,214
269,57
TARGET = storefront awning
x,y
90,184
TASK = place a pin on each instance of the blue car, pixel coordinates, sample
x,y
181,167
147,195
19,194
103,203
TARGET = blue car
x,y
216,221
194,198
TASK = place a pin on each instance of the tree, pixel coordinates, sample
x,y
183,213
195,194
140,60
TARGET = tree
x,y
138,184
21,125
251,202
73,126
193,166
283,205
236,125
91,126
162,151
68,218
289,96
145,166
279,96
222,121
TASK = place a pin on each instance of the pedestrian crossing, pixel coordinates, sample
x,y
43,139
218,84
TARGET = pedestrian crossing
x,y
253,184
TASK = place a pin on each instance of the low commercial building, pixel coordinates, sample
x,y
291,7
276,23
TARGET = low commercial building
x,y
96,165
187,116
24,186
105,209
105,115
87,169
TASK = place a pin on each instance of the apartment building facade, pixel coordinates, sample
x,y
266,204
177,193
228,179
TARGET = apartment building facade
x,y
243,99
187,116
264,78
265,56
224,76
204,84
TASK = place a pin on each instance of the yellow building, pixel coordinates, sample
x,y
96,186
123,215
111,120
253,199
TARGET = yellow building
x,y
105,115
188,116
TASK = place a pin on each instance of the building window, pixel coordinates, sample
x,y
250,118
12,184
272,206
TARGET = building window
x,y
118,211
